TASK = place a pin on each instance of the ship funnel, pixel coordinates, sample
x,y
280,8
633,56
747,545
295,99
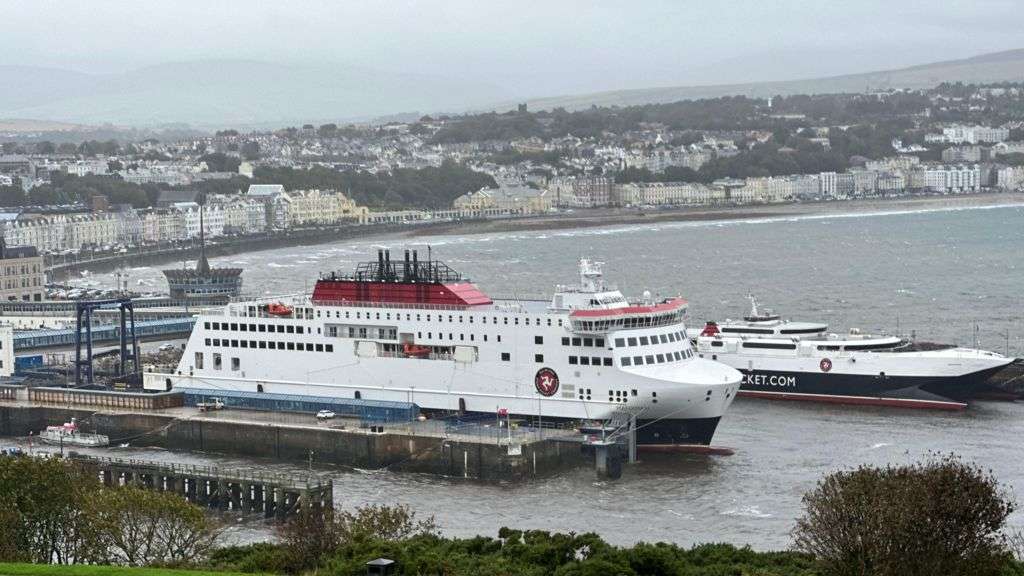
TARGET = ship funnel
x,y
380,264
415,266
405,269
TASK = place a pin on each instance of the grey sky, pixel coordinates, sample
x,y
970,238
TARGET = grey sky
x,y
527,47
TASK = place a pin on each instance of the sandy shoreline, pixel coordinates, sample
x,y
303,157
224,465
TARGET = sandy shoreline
x,y
616,217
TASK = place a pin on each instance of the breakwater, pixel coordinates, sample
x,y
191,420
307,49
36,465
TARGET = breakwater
x,y
398,450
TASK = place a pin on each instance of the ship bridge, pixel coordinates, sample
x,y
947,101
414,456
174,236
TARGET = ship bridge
x,y
645,315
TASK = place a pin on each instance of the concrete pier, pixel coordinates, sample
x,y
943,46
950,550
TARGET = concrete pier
x,y
408,447
239,491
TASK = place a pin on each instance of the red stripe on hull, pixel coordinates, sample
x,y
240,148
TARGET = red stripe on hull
x,y
857,400
684,449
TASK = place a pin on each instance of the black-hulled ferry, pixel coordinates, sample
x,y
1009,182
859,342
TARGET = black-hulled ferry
x,y
802,361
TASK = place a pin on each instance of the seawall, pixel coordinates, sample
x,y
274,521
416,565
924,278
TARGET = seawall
x,y
400,451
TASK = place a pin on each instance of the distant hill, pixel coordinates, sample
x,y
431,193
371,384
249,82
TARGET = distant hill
x,y
252,94
228,93
994,67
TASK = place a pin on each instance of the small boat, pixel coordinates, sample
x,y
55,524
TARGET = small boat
x,y
68,434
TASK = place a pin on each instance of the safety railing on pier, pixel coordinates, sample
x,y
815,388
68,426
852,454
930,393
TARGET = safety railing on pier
x,y
282,480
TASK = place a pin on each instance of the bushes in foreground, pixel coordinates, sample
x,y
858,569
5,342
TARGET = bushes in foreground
x,y
530,553
939,517
54,511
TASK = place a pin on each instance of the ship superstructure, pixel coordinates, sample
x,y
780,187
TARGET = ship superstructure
x,y
419,332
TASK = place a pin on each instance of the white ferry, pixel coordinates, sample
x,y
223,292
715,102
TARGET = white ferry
x,y
419,332
803,361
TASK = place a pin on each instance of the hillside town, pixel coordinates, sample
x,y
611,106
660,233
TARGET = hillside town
x,y
92,195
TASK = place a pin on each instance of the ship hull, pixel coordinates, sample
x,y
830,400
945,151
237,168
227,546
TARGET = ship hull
x,y
932,392
676,432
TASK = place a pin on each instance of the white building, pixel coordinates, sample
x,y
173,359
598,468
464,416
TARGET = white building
x,y
212,219
665,193
969,135
947,178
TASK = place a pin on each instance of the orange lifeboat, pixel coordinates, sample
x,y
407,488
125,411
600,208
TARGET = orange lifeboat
x,y
278,309
416,351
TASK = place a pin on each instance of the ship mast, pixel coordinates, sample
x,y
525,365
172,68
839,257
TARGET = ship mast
x,y
203,265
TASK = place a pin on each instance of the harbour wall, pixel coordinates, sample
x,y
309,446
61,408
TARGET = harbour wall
x,y
355,448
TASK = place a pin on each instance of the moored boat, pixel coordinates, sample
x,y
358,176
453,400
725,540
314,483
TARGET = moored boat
x,y
68,434
803,361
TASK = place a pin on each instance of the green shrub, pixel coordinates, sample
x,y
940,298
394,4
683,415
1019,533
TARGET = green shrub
x,y
938,517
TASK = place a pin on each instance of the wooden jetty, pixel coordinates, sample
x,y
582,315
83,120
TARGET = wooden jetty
x,y
275,496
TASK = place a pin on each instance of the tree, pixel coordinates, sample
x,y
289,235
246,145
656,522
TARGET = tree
x,y
45,519
250,151
12,196
938,517
220,162
1015,159
309,537
140,527
43,196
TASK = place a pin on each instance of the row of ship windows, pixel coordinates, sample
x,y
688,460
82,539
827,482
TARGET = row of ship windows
x,y
234,326
654,339
614,395
590,361
826,348
430,318
655,358
588,342
271,345
451,336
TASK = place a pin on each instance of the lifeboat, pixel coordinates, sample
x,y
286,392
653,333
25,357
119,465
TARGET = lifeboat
x,y
416,351
278,309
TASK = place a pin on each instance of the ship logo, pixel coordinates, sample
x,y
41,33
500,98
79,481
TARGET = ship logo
x,y
825,365
546,382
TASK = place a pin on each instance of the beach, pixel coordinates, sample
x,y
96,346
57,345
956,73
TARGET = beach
x,y
596,217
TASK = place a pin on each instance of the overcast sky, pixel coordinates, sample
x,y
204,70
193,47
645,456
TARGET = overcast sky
x,y
527,47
